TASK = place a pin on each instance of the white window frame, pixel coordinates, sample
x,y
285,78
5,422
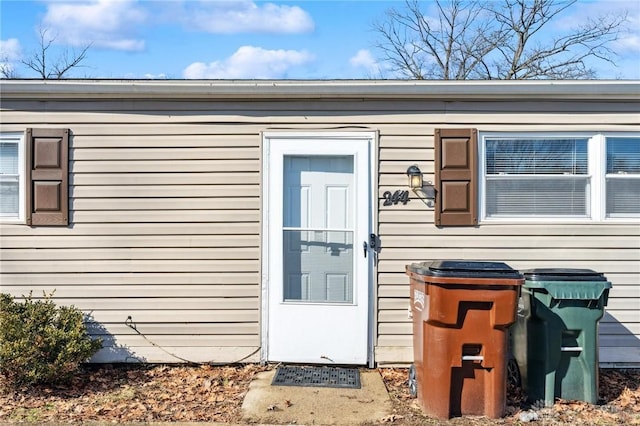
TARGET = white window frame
x,y
18,138
597,167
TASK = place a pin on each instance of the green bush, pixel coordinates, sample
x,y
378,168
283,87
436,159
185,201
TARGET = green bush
x,y
41,343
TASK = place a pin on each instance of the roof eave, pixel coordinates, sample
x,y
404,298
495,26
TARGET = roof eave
x,y
320,89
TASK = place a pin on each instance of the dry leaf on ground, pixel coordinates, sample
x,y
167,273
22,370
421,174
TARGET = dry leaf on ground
x,y
164,393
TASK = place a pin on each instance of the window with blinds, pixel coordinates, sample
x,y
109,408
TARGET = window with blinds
x,y
11,183
543,177
622,179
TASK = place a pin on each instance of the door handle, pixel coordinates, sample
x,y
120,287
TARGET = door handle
x,y
373,242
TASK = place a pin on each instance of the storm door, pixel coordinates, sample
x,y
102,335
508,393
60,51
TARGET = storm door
x,y
318,269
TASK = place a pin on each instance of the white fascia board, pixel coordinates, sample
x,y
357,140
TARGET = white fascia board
x,y
618,90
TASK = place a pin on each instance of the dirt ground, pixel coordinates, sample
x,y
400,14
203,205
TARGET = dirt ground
x,y
162,393
619,393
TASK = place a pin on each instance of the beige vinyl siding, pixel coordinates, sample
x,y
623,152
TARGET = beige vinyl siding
x,y
165,214
164,236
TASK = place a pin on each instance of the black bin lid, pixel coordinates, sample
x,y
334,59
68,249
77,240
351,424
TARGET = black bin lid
x,y
465,269
562,274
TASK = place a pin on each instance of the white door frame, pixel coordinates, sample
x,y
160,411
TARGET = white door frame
x,y
371,137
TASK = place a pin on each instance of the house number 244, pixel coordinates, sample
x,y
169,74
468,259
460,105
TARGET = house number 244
x,y
395,197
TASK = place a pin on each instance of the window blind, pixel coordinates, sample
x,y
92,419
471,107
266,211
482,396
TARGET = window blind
x,y
8,158
623,155
623,177
537,156
537,197
537,178
9,179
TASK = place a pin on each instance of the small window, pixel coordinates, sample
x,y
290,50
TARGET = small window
x,y
622,180
11,177
530,177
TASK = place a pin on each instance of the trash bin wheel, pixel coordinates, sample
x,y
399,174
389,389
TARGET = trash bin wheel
x,y
413,383
513,373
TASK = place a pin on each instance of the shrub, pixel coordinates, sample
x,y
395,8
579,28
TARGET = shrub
x,y
41,343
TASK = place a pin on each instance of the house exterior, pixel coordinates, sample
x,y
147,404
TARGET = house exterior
x,y
244,221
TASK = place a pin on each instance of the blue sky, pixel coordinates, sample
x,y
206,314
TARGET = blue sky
x,y
238,39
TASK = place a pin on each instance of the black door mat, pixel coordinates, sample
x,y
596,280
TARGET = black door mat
x,y
326,377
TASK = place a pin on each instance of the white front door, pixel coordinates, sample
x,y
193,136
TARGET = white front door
x,y
317,270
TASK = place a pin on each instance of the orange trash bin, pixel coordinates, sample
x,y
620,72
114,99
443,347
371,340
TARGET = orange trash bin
x,y
461,314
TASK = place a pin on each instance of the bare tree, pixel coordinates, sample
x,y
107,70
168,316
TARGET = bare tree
x,y
504,39
56,68
6,69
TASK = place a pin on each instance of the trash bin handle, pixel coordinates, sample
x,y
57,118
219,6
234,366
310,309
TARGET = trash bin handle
x,y
472,358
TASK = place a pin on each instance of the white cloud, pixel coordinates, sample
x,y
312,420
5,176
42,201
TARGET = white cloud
x,y
108,24
10,53
161,76
367,66
10,50
250,62
628,43
230,17
364,59
629,40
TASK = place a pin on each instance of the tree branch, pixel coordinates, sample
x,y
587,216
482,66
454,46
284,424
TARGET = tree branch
x,y
505,40
39,60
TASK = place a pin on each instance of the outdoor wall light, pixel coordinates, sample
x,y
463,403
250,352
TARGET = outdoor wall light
x,y
415,177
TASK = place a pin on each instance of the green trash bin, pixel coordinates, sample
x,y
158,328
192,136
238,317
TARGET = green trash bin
x,y
555,337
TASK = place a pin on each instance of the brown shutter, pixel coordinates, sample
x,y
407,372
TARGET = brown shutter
x,y
47,183
456,177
